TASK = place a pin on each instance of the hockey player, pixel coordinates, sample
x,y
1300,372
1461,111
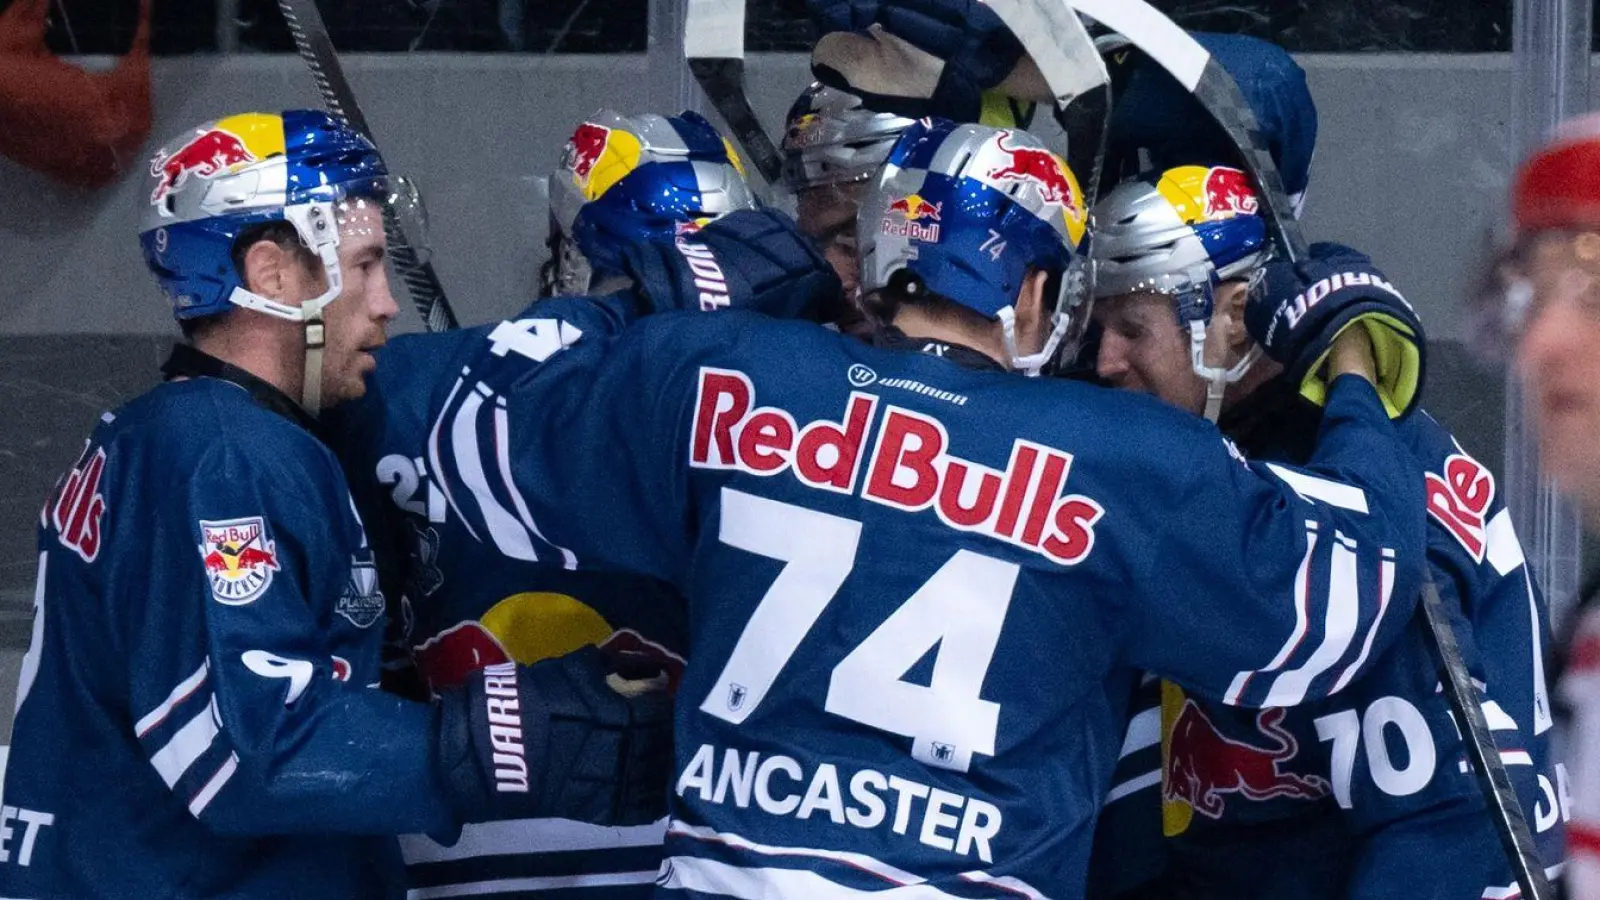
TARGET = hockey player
x,y
623,180
629,193
832,146
196,714
1552,314
915,581
1176,254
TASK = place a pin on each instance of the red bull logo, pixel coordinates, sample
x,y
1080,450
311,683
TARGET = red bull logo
x,y
1203,764
77,508
1228,193
238,558
1042,169
805,130
206,156
528,627
585,148
917,220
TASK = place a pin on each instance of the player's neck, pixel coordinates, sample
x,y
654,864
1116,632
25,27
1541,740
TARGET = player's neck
x,y
269,350
1260,372
918,323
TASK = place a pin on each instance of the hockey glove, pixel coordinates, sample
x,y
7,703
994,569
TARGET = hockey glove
x,y
914,57
1295,311
563,738
749,259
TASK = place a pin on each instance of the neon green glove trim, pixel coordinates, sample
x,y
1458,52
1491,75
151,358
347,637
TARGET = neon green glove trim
x,y
1398,358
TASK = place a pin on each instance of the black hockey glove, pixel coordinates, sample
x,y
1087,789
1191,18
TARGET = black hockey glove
x,y
1296,310
564,738
914,57
749,259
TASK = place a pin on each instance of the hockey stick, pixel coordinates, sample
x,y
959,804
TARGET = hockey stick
x,y
1501,797
1075,75
713,43
316,48
1159,38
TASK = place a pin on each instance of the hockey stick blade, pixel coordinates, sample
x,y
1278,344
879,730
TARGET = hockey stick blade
x,y
1060,47
1160,39
316,48
1504,809
713,43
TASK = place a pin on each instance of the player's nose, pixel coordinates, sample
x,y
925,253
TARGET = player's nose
x,y
1111,363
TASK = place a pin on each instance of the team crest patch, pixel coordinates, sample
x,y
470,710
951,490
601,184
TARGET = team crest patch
x,y
362,601
239,559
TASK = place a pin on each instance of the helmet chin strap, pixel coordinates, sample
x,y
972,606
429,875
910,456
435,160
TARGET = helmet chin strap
x,y
1031,364
1217,378
317,227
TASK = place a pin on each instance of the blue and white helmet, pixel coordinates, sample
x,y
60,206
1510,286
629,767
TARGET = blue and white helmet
x,y
969,210
211,184
625,179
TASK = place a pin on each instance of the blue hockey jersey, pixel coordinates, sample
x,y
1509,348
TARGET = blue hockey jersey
x,y
916,592
196,716
467,606
1367,794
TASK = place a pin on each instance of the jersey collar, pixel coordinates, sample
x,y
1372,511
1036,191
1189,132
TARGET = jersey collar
x,y
188,362
892,338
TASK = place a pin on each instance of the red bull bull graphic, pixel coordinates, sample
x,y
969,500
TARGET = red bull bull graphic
x,y
1203,765
208,155
529,627
805,131
585,148
1042,169
239,559
1227,193
917,219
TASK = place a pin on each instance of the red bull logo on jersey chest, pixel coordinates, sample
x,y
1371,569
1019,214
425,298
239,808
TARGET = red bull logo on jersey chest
x,y
239,559
1203,765
910,466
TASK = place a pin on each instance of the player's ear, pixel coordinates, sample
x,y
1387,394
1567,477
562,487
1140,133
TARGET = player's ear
x,y
1030,307
1229,314
268,270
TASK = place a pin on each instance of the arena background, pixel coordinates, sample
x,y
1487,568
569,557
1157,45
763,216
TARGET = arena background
x,y
1423,106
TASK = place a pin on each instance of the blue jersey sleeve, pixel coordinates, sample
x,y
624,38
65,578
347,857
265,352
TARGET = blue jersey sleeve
x,y
244,697
1292,578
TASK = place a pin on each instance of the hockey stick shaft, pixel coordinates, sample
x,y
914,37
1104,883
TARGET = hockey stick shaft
x,y
1498,793
1170,47
1060,47
714,46
316,48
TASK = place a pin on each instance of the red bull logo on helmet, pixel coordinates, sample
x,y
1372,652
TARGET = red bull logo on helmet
x,y
239,559
1227,193
1203,765
208,155
917,219
1045,171
585,148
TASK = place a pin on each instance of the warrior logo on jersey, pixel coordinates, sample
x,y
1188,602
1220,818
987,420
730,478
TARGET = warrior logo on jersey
x,y
238,557
362,601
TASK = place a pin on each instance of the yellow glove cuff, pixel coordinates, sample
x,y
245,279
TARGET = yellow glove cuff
x,y
1399,362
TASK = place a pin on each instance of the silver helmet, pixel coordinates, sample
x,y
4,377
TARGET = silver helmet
x,y
626,179
830,138
1181,233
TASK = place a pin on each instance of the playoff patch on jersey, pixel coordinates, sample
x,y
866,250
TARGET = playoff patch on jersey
x,y
239,558
362,601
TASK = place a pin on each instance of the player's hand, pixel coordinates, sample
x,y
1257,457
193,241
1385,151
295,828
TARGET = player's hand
x,y
750,259
919,57
558,739
1297,311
